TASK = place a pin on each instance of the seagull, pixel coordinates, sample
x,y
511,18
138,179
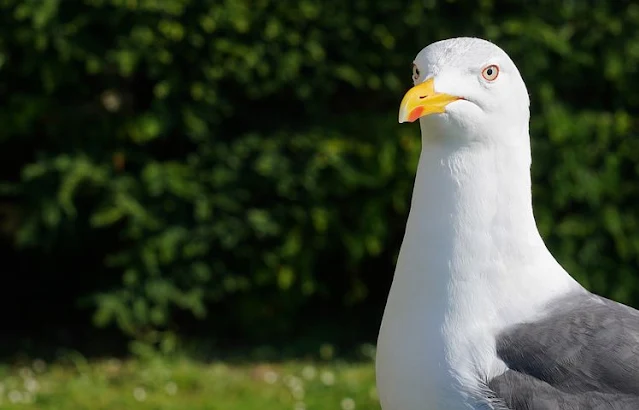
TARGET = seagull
x,y
480,315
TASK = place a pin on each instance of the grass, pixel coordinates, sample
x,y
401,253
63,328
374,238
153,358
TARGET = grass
x,y
183,384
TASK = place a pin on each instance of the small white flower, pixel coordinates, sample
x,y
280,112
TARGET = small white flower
x,y
270,377
15,396
25,372
293,381
309,372
31,384
297,391
39,365
171,388
348,404
139,393
328,378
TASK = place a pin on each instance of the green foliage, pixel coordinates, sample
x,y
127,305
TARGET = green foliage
x,y
240,160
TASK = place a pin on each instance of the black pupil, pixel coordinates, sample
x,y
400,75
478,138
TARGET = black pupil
x,y
489,71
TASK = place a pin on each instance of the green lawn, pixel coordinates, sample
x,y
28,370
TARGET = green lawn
x,y
182,384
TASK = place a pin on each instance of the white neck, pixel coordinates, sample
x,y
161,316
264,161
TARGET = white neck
x,y
471,222
472,262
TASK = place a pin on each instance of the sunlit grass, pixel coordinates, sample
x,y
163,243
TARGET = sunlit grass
x,y
183,384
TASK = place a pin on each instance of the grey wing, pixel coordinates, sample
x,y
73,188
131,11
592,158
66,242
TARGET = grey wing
x,y
584,354
520,391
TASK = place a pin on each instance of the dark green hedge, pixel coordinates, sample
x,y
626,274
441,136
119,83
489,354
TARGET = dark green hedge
x,y
240,162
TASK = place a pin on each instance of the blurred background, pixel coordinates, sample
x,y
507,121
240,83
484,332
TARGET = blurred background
x,y
202,201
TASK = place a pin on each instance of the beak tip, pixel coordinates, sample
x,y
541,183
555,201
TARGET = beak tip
x,y
402,118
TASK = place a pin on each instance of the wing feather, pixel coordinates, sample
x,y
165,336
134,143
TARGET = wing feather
x,y
584,350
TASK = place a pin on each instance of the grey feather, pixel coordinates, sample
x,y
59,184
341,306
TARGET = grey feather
x,y
582,354
523,392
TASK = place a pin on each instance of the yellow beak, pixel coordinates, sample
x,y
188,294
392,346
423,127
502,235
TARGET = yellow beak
x,y
423,100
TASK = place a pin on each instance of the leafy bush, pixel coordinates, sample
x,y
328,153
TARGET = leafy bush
x,y
241,160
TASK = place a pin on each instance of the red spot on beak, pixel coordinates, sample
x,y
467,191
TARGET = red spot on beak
x,y
415,114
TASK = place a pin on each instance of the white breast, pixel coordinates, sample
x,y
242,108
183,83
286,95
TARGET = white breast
x,y
470,265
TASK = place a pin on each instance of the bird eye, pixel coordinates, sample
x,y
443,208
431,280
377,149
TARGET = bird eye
x,y
415,73
490,72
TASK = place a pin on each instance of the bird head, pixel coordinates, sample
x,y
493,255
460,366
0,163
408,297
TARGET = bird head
x,y
465,89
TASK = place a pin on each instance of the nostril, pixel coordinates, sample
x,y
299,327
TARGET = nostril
x,y
421,97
